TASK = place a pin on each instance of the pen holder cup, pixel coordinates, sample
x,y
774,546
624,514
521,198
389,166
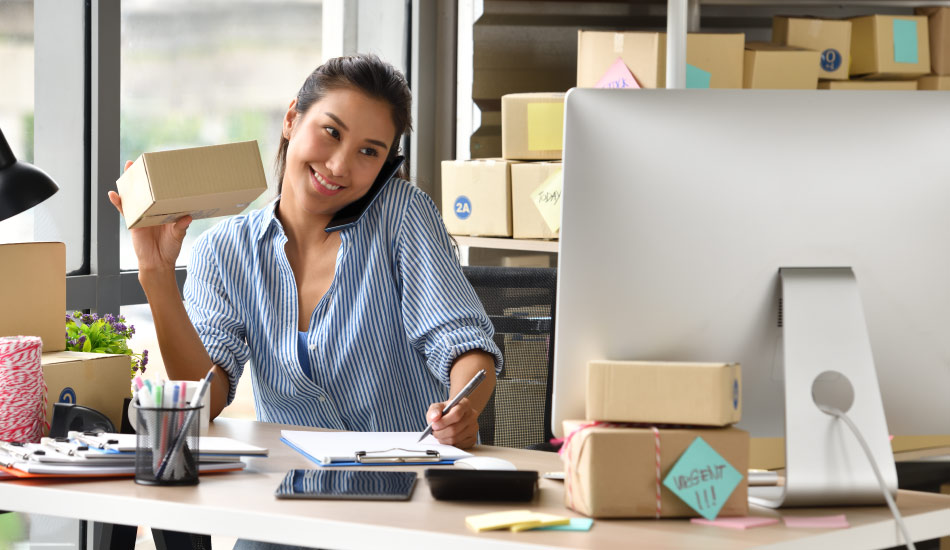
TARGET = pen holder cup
x,y
166,445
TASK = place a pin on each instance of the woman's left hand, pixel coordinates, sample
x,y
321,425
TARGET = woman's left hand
x,y
459,427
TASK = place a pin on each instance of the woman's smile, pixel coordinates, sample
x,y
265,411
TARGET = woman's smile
x,y
323,184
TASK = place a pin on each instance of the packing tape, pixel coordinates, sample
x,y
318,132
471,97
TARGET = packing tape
x,y
618,42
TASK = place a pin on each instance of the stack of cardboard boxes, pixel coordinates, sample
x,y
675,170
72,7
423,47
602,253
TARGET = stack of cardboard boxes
x,y
518,195
657,442
33,293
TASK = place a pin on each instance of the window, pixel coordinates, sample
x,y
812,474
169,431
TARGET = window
x,y
194,73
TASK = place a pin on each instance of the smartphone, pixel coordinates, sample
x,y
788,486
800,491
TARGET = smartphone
x,y
486,485
351,213
347,485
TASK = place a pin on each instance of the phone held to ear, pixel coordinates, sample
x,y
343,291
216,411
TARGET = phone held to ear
x,y
351,213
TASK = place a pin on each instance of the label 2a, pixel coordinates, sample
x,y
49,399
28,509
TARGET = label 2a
x,y
462,207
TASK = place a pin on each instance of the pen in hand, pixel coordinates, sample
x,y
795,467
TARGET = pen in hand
x,y
469,388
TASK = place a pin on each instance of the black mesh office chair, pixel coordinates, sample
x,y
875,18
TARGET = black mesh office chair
x,y
520,303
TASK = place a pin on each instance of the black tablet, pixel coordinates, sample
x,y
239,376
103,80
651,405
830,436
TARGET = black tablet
x,y
347,484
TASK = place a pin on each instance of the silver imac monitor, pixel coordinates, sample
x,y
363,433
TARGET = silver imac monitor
x,y
680,208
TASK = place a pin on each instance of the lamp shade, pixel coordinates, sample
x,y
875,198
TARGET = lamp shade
x,y
22,186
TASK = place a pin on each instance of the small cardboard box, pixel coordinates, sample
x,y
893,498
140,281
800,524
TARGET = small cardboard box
x,y
939,23
532,126
33,292
528,180
868,85
830,37
890,46
713,60
99,381
777,67
612,471
934,83
700,394
203,182
476,197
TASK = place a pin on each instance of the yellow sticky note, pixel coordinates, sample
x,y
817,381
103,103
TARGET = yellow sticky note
x,y
498,520
541,520
547,198
545,126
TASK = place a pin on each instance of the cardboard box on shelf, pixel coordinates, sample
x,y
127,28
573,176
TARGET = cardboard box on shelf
x,y
203,182
99,381
33,292
476,197
830,37
532,126
773,66
529,195
934,83
890,46
867,85
938,18
700,394
713,60
612,471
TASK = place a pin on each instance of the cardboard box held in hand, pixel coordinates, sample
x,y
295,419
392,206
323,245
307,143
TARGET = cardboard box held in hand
x,y
203,182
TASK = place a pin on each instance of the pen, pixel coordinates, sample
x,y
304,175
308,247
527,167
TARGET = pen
x,y
469,388
179,442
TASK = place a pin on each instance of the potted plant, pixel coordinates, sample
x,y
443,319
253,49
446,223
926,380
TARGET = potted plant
x,y
108,334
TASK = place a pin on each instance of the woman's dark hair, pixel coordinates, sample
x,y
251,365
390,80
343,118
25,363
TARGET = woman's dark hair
x,y
362,72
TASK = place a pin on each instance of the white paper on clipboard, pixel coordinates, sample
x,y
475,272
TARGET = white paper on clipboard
x,y
342,447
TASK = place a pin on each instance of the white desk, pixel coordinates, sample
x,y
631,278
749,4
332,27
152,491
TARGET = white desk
x,y
242,505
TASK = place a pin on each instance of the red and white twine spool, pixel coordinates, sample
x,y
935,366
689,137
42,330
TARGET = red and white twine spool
x,y
22,389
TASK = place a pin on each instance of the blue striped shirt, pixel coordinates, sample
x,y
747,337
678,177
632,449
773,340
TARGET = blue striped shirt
x,y
381,340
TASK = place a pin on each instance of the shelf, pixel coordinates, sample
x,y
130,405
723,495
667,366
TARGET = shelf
x,y
530,245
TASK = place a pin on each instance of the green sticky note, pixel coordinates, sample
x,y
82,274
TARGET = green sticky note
x,y
576,524
696,77
703,479
905,41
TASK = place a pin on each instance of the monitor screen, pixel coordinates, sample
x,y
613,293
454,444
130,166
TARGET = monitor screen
x,y
681,206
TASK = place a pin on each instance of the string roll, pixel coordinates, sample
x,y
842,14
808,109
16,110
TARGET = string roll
x,y
23,397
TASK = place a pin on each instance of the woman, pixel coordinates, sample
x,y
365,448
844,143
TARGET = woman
x,y
368,328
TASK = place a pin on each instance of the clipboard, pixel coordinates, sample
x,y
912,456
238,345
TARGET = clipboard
x,y
369,448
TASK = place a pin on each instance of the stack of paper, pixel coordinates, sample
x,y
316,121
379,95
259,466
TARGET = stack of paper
x,y
514,520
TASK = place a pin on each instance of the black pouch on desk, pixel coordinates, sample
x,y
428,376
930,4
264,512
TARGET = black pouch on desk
x,y
493,485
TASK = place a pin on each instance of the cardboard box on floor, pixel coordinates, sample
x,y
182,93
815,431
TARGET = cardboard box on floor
x,y
777,67
890,46
830,37
700,394
716,59
203,182
476,197
33,292
934,83
612,472
938,19
527,221
100,381
532,126
867,85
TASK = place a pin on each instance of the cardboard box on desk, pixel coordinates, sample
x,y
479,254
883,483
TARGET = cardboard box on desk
x,y
700,394
890,46
777,67
938,19
830,37
528,196
868,85
611,472
476,197
33,292
713,60
532,126
96,380
203,182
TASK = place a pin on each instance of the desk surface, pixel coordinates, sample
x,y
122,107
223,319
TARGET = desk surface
x,y
242,505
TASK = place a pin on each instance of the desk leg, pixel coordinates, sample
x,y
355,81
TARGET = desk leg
x,y
109,536
173,540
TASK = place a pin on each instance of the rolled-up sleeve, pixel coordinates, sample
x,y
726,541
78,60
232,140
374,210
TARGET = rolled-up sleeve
x,y
214,314
443,316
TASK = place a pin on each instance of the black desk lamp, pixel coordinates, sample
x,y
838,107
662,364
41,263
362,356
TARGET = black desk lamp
x,y
22,186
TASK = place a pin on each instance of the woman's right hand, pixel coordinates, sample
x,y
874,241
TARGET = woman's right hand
x,y
156,247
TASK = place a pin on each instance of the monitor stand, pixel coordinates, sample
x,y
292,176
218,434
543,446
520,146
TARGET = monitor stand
x,y
828,360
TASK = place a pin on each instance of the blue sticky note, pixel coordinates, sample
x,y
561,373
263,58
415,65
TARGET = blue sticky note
x,y
576,524
703,479
696,77
905,41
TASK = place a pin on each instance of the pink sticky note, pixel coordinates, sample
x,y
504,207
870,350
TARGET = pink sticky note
x,y
818,522
617,76
736,523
